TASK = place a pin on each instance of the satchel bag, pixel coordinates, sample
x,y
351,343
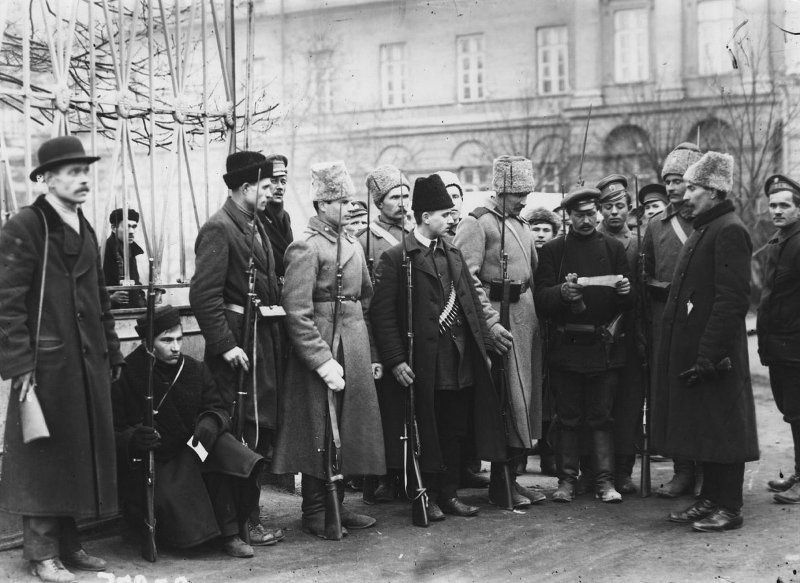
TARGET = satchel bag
x,y
32,418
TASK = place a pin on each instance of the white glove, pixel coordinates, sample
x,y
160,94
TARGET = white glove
x,y
333,374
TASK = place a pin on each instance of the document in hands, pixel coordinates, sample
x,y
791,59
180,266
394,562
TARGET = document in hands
x,y
599,280
201,452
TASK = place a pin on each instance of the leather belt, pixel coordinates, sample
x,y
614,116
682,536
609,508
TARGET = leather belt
x,y
234,308
322,299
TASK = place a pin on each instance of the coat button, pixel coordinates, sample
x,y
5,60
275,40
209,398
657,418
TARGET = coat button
x,y
86,350
79,315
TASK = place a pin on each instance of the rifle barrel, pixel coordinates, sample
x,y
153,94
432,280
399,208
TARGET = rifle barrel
x,y
149,550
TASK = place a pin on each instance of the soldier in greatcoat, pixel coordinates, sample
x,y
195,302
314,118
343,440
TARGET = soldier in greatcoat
x,y
325,359
70,475
218,293
450,375
665,236
779,319
708,413
277,222
615,205
479,237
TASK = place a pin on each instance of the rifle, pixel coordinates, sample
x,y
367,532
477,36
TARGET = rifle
x,y
370,259
644,477
333,445
583,151
149,550
410,437
502,378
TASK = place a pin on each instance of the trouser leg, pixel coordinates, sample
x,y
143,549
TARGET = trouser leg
x,y
452,416
729,485
796,439
710,488
40,536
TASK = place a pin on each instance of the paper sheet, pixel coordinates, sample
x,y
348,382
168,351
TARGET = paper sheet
x,y
599,280
198,449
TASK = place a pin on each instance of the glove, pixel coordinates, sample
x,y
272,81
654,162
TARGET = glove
x,y
702,370
145,438
206,432
333,374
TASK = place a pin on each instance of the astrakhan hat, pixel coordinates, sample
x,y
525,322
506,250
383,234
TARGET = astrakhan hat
x,y
512,175
246,168
677,161
331,181
383,179
714,171
430,194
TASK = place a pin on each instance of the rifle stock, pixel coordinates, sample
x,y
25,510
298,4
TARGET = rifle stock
x,y
245,341
149,550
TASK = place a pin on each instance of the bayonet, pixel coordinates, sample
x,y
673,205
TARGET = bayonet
x,y
583,150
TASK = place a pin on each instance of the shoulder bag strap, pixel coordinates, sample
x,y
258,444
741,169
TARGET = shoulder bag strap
x,y
41,291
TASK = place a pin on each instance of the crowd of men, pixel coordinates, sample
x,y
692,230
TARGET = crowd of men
x,y
517,331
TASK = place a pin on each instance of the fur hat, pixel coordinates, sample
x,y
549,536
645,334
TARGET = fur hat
x,y
450,179
165,318
430,194
542,215
383,179
677,161
246,168
115,218
713,171
513,175
331,181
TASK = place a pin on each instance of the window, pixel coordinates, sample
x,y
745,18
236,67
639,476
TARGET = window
x,y
714,28
469,51
552,52
393,74
631,51
321,86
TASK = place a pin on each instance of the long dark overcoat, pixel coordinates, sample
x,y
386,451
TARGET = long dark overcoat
x,y
388,314
712,421
72,473
308,297
222,253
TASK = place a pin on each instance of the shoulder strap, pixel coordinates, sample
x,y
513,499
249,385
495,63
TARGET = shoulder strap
x,y
676,226
379,231
41,290
478,212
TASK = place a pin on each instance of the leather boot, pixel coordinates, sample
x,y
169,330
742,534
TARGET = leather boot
x,y
681,483
497,493
790,496
368,489
313,505
623,468
352,519
781,484
698,479
547,458
567,463
603,463
386,491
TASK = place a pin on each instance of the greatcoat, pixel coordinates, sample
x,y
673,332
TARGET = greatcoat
x,y
73,472
479,241
308,297
388,314
713,421
222,254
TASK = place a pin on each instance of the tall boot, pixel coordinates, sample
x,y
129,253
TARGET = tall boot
x,y
313,505
623,469
603,463
351,519
782,484
497,493
567,464
681,483
698,479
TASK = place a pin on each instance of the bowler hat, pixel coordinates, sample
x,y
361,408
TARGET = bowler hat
x,y
59,151
430,194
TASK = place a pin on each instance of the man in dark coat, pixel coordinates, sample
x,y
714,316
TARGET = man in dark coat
x,y
194,501
330,353
779,319
450,375
218,294
114,260
77,347
615,205
662,243
277,222
587,349
708,412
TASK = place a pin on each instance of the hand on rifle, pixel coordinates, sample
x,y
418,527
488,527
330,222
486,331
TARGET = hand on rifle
x,y
237,357
333,374
501,338
206,432
403,373
623,286
119,297
377,371
23,383
145,438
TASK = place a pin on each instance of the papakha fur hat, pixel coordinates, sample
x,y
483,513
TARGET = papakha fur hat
x,y
513,175
713,171
331,181
677,161
450,179
542,215
383,179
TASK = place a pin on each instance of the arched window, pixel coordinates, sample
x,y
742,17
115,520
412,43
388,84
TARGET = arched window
x,y
713,134
626,150
473,165
399,156
549,163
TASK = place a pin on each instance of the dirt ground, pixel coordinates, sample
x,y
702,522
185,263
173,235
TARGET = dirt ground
x,y
585,541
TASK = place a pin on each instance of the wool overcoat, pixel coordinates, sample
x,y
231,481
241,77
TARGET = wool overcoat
x,y
388,314
222,254
478,237
73,472
308,297
713,421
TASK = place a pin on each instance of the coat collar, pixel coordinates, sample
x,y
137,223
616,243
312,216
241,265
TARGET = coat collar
x,y
79,246
419,253
328,231
781,236
242,222
716,211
